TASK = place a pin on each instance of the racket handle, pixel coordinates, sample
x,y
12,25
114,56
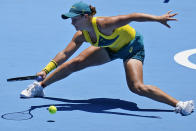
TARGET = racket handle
x,y
39,78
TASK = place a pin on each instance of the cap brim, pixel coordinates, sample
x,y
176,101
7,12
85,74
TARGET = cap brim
x,y
69,15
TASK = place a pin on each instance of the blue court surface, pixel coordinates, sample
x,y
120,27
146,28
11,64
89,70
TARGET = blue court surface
x,y
97,98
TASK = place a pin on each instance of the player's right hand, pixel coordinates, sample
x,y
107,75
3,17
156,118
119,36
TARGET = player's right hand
x,y
42,74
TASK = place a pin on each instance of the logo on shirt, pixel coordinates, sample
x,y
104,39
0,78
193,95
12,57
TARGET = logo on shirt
x,y
130,50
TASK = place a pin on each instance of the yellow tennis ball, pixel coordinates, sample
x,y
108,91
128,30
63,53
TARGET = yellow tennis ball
x,y
52,109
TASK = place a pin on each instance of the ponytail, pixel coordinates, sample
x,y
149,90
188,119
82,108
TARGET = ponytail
x,y
93,10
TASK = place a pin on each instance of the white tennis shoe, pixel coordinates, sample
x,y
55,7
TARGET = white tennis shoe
x,y
185,108
33,90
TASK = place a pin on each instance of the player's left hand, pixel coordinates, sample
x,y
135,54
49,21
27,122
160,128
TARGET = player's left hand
x,y
167,17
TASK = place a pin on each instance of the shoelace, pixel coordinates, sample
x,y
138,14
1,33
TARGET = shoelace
x,y
34,89
30,88
37,90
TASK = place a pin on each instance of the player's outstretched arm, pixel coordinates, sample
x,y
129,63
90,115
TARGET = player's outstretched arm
x,y
63,55
121,20
75,43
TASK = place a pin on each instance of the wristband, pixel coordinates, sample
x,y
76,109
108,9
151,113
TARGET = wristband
x,y
51,66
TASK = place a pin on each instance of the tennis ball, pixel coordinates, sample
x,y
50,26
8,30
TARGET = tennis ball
x,y
52,109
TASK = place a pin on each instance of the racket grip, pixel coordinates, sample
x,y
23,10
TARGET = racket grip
x,y
39,78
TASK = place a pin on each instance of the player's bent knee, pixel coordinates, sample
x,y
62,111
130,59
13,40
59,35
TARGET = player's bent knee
x,y
77,63
139,89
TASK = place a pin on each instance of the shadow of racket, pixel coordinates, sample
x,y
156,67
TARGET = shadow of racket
x,y
22,115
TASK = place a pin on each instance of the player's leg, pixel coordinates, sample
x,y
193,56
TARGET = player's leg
x,y
134,76
91,56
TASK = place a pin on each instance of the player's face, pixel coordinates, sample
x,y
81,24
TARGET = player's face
x,y
79,22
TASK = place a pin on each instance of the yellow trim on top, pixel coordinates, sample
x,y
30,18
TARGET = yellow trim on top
x,y
87,36
121,36
112,36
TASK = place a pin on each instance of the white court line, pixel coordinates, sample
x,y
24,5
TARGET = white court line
x,y
182,58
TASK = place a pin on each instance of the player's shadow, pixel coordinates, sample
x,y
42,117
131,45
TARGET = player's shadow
x,y
103,105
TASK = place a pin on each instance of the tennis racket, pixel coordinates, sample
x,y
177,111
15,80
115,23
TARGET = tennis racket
x,y
38,78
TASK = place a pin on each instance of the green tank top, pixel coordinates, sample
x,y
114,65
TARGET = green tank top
x,y
118,39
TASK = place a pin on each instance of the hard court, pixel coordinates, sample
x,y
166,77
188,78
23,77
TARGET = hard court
x,y
97,98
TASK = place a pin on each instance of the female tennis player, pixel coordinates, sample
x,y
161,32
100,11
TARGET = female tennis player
x,y
111,38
